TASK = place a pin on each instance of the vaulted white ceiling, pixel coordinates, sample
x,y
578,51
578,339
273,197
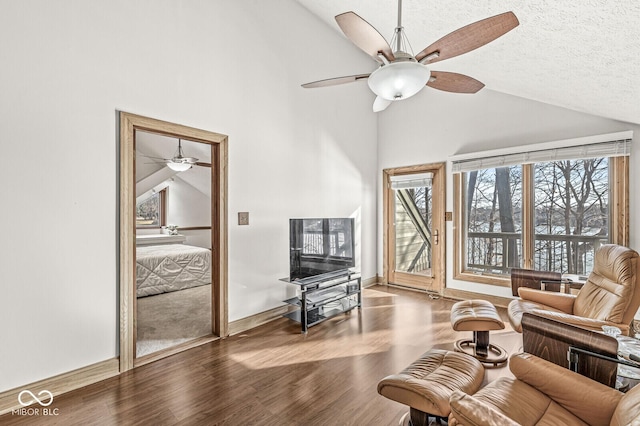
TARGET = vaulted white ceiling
x,y
578,54
152,148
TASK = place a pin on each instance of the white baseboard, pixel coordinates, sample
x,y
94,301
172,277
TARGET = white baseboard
x,y
61,383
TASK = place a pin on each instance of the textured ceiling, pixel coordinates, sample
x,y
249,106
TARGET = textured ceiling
x,y
582,55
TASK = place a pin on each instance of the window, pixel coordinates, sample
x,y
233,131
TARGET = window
x,y
150,212
413,222
493,219
571,213
545,210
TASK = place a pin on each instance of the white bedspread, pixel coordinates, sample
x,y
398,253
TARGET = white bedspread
x,y
171,267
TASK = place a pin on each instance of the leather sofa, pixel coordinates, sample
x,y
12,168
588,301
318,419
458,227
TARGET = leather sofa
x,y
609,297
543,393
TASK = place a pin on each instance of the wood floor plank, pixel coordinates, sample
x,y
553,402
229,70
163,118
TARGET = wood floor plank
x,y
274,375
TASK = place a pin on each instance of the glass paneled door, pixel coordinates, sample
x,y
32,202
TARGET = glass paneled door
x,y
414,218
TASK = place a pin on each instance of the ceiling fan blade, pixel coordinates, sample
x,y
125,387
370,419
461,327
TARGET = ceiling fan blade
x,y
156,158
469,37
380,104
364,35
335,81
454,82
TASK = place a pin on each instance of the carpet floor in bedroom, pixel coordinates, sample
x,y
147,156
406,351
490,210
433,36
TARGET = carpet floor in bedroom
x,y
168,319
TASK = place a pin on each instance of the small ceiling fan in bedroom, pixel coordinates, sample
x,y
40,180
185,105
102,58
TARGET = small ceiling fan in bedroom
x,y
402,74
178,162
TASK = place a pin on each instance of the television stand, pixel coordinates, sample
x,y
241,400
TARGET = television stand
x,y
323,297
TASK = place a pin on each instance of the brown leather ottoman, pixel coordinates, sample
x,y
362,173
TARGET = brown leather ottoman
x,y
479,316
426,385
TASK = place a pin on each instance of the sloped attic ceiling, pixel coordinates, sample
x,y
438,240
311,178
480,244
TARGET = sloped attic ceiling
x,y
158,147
578,54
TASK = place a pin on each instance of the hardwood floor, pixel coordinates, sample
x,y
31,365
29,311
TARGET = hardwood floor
x,y
274,375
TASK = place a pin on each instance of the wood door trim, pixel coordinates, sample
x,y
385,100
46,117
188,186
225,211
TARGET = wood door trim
x,y
438,219
129,123
181,347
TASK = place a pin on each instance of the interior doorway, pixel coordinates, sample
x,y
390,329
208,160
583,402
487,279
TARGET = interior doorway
x,y
173,241
414,204
147,228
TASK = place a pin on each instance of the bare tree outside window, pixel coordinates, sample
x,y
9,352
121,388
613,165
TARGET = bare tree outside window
x,y
494,219
571,213
570,210
148,211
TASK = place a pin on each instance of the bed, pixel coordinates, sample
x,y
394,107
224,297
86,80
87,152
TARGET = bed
x,y
171,267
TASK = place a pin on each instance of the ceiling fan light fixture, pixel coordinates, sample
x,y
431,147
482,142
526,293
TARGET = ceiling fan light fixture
x,y
179,162
178,166
399,80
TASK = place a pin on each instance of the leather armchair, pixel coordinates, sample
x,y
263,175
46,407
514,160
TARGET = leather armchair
x,y
544,393
609,297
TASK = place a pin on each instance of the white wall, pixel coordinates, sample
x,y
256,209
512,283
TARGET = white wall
x,y
233,67
190,207
434,125
186,206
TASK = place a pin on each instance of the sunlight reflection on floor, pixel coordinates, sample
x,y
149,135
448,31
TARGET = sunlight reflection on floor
x,y
407,331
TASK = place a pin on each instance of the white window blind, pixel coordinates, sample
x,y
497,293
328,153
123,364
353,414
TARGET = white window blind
x,y
615,148
417,180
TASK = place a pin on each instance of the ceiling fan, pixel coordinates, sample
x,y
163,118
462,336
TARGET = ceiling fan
x,y
402,74
179,162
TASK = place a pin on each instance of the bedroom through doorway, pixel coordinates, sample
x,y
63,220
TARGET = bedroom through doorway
x,y
172,239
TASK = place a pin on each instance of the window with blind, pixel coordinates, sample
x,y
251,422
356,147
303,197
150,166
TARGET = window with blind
x,y
546,209
151,210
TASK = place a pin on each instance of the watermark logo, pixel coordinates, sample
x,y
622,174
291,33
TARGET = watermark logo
x,y
35,398
26,398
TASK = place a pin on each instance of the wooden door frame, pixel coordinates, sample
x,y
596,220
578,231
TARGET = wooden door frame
x,y
129,123
438,220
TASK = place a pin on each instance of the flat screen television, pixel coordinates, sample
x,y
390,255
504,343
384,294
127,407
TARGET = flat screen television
x,y
320,246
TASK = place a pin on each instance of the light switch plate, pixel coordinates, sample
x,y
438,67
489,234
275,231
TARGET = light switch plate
x,y
243,218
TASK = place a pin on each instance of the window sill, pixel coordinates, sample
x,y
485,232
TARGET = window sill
x,y
153,239
483,279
